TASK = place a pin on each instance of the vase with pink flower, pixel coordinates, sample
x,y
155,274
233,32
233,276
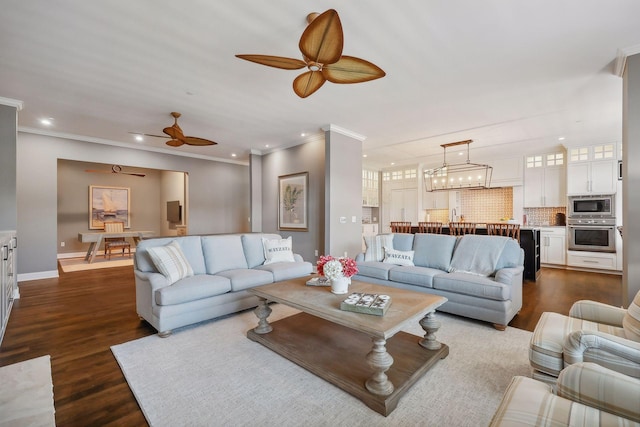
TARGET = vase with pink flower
x,y
338,270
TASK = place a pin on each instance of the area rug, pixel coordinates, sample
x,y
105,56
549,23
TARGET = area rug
x,y
211,374
79,264
26,393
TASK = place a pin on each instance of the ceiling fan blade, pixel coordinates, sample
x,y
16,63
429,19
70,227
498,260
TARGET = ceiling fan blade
x,y
194,140
141,175
275,61
174,132
174,142
97,171
350,69
148,134
322,40
307,83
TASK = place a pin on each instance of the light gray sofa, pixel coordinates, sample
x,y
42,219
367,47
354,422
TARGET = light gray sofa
x,y
481,276
224,267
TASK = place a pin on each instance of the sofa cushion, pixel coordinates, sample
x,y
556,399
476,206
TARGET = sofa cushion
x,y
287,270
631,320
277,250
477,254
419,276
223,252
253,248
170,261
433,250
375,246
190,245
403,241
512,255
246,278
192,288
375,269
474,285
396,257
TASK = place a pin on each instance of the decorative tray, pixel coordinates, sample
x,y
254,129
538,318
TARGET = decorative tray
x,y
318,281
366,303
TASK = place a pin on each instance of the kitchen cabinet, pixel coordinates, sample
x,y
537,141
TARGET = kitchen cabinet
x,y
435,200
545,181
507,172
592,260
8,245
553,245
370,188
399,197
592,169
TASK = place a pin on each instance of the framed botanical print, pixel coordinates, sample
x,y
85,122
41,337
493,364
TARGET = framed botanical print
x,y
293,198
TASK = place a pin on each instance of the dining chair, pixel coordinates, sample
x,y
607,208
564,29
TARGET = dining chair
x,y
502,229
400,227
462,228
118,243
430,227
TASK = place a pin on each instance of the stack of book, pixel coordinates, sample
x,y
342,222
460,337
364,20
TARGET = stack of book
x,y
366,303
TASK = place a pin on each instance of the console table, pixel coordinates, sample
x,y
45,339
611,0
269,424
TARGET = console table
x,y
95,239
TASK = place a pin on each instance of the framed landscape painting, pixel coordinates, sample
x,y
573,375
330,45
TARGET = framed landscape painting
x,y
293,197
108,204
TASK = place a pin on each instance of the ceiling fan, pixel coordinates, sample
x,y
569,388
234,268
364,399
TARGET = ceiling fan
x,y
321,46
177,136
116,169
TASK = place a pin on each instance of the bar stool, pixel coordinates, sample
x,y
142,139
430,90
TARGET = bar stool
x,y
502,229
400,227
430,227
462,228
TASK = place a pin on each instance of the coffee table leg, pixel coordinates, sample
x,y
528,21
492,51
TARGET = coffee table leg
x,y
380,361
430,326
262,311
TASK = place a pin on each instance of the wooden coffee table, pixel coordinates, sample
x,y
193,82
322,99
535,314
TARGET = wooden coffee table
x,y
351,350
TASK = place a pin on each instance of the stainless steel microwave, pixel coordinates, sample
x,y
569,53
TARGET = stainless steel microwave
x,y
592,206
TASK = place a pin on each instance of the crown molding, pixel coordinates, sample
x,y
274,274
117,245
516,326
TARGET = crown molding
x,y
93,140
343,131
621,59
12,103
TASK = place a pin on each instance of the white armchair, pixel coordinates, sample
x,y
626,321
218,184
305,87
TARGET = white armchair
x,y
593,332
587,394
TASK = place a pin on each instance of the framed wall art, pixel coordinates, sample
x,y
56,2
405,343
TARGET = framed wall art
x,y
293,198
108,204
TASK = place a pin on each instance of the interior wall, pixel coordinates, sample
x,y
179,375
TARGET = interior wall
x,y
8,210
172,188
309,157
73,200
631,180
218,193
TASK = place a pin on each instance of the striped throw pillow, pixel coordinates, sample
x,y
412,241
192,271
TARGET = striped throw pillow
x,y
375,246
170,261
631,320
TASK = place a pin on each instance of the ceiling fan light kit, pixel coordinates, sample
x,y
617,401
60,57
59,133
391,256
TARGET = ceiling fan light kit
x,y
117,169
321,46
461,176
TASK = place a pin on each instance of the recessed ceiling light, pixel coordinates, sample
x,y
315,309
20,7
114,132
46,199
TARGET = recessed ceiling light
x,y
393,163
233,154
364,155
561,138
303,134
46,122
139,138
266,146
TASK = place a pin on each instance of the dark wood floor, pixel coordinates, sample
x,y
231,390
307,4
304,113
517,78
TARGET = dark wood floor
x,y
79,316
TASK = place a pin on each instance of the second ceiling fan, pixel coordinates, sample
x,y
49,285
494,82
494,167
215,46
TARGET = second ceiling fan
x,y
178,137
321,46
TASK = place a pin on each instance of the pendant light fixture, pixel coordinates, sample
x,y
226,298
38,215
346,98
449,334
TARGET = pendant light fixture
x,y
458,176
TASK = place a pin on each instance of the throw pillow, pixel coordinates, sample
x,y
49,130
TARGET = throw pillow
x,y
375,246
170,261
392,256
277,250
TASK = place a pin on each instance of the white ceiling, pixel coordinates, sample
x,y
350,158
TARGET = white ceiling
x,y
522,73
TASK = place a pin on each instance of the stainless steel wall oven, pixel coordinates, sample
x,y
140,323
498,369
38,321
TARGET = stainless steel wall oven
x,y
595,235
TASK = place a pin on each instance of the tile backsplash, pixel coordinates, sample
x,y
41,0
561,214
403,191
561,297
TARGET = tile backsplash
x,y
543,216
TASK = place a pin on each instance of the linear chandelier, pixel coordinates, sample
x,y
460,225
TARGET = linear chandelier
x,y
458,176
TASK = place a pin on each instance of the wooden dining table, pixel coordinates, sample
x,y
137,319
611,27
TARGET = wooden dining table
x,y
95,240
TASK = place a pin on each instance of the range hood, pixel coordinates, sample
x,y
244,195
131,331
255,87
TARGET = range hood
x,y
461,176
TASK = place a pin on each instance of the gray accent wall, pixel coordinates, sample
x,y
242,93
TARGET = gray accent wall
x,y
8,207
218,192
307,157
631,180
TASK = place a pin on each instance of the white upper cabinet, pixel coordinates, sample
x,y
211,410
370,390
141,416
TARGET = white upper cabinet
x,y
545,180
592,170
507,171
435,200
370,188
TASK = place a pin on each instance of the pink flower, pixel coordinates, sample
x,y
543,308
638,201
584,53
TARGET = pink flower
x,y
349,267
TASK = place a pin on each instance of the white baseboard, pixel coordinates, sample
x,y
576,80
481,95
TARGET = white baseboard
x,y
39,275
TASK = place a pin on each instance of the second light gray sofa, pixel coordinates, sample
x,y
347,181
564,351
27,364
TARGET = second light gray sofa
x,y
481,276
